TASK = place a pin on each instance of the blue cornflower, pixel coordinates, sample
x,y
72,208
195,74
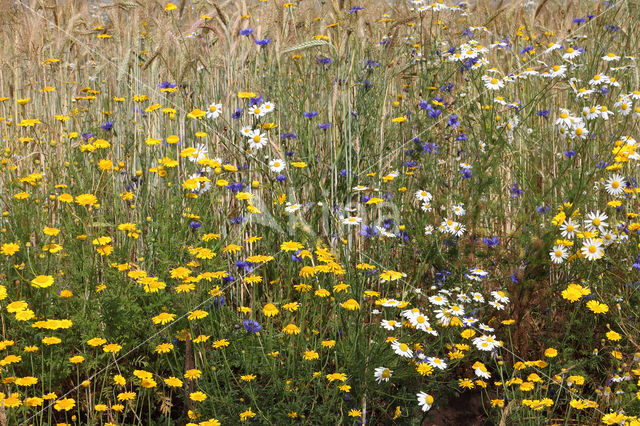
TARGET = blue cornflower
x,y
87,136
515,191
493,241
431,148
195,225
236,115
236,186
263,42
324,126
543,209
252,326
368,231
324,60
166,85
570,153
246,32
371,64
441,277
244,265
281,178
466,173
310,114
107,125
256,100
237,220
543,113
355,9
467,32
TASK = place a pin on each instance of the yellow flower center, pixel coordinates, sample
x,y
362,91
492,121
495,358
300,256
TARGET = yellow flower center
x,y
592,249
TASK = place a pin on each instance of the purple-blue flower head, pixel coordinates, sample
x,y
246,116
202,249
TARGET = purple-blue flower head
x,y
107,125
252,326
263,42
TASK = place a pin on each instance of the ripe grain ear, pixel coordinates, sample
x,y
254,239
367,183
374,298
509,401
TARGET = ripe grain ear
x,y
539,8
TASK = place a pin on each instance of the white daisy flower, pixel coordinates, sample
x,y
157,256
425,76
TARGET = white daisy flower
x,y
558,254
425,401
592,249
267,107
402,349
214,110
382,374
458,210
257,111
596,221
424,196
390,325
257,140
500,296
568,229
353,220
436,362
277,165
615,185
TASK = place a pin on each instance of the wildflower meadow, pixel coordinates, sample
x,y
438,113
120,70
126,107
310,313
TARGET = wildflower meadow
x,y
319,212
